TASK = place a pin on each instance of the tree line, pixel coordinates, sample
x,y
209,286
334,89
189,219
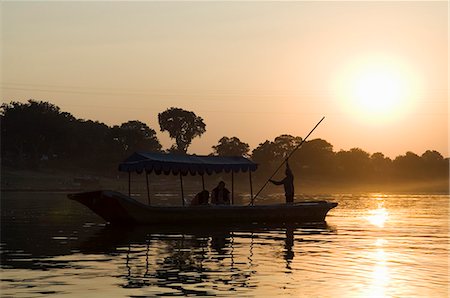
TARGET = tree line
x,y
37,134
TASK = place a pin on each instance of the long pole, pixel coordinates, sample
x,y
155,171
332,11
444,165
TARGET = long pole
x,y
182,190
290,154
251,186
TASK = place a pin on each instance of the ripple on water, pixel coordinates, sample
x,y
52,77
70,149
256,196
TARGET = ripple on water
x,y
373,246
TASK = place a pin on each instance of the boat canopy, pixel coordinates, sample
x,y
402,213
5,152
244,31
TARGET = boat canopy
x,y
166,163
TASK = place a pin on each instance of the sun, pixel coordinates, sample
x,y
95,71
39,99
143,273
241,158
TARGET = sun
x,y
375,91
378,91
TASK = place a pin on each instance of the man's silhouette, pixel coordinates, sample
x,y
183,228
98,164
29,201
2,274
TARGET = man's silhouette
x,y
288,183
220,195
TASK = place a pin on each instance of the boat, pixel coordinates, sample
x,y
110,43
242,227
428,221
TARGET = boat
x,y
117,208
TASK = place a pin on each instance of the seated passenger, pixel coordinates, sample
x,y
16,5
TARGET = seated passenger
x,y
220,195
201,198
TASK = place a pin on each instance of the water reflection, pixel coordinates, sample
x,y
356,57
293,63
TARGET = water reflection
x,y
380,272
288,245
377,256
378,217
183,260
391,246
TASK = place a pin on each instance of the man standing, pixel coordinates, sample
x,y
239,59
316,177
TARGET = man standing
x,y
288,183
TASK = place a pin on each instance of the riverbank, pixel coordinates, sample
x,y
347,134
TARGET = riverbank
x,y
73,181
52,180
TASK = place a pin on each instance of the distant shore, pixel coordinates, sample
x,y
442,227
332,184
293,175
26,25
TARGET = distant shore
x,y
75,181
54,180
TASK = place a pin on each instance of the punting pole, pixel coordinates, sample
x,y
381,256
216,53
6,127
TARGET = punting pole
x,y
251,186
148,188
290,154
182,190
129,184
232,187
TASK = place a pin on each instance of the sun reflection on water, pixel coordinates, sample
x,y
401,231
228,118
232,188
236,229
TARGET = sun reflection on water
x,y
380,279
380,272
378,217
380,242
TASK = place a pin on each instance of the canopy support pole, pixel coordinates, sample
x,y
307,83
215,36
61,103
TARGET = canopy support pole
x,y
129,184
232,187
148,188
251,186
203,181
182,190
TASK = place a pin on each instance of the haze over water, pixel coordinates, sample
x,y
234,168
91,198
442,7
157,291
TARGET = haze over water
x,y
373,245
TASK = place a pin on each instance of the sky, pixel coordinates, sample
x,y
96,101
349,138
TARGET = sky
x,y
378,71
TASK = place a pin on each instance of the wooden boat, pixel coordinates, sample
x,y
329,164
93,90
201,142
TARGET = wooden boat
x,y
117,208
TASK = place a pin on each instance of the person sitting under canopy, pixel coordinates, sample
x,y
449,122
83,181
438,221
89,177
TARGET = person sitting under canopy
x,y
220,195
201,198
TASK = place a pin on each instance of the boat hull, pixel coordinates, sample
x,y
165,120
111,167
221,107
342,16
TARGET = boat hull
x,y
117,208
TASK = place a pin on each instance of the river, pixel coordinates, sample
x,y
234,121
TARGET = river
x,y
373,245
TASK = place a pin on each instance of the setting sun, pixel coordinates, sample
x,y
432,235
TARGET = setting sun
x,y
377,90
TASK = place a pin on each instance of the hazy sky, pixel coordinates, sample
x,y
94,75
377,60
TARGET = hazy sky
x,y
255,70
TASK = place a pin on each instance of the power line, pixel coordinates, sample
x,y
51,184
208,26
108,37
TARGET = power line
x,y
203,95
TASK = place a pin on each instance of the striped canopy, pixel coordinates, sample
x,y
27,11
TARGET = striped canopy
x,y
165,163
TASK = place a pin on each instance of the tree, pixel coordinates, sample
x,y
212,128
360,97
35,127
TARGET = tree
x,y
432,156
264,156
434,164
135,136
183,126
90,145
231,147
270,154
38,134
315,157
263,153
284,144
33,131
381,166
354,164
408,165
277,150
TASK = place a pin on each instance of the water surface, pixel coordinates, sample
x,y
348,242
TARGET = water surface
x,y
373,245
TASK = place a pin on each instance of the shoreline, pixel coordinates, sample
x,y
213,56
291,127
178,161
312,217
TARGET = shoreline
x,y
74,181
